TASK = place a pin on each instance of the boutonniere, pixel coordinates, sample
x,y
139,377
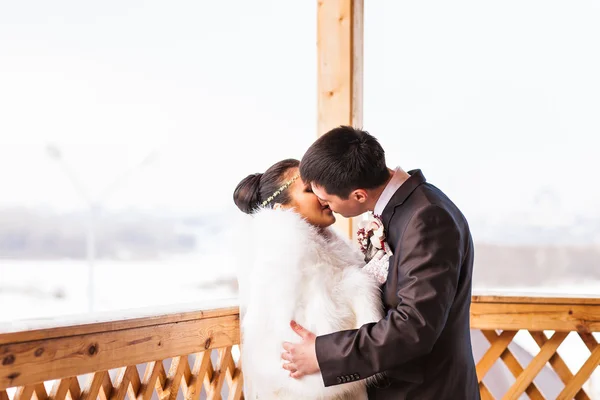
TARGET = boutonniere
x,y
370,231
372,240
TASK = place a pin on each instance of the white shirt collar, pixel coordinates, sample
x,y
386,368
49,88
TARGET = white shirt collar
x,y
391,188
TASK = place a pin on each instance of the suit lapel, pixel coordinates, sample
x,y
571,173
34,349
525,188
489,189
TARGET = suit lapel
x,y
404,191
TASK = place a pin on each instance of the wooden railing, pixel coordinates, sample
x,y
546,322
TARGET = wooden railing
x,y
177,354
500,318
194,354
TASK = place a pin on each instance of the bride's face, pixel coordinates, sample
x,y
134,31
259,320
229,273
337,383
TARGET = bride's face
x,y
305,203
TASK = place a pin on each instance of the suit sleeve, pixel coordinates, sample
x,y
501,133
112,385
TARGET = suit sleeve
x,y
428,261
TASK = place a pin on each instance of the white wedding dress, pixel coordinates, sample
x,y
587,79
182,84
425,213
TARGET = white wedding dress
x,y
287,270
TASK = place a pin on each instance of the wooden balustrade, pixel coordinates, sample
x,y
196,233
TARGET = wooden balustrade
x,y
186,354
194,354
500,318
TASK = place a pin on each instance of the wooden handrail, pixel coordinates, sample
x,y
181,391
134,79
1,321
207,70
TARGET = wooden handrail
x,y
135,343
40,354
48,328
514,312
533,298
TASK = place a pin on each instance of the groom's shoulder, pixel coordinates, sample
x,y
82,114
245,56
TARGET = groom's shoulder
x,y
426,197
429,194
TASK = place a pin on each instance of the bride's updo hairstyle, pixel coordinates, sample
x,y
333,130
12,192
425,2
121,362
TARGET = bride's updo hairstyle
x,y
254,189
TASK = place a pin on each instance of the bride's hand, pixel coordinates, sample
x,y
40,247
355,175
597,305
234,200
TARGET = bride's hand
x,y
378,266
379,255
301,357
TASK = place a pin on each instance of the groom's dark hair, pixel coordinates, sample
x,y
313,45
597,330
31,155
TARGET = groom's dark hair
x,y
345,159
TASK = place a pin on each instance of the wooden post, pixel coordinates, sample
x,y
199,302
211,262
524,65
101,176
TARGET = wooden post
x,y
340,70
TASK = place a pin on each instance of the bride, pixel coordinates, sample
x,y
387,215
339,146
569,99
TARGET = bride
x,y
293,266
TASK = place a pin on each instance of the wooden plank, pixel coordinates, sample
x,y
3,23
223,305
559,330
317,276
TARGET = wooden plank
x,y
174,378
207,382
228,363
92,388
237,386
106,387
187,378
513,366
535,317
134,382
214,393
161,381
498,345
24,392
516,370
208,377
582,376
10,333
18,332
127,384
77,355
198,373
532,298
149,380
74,389
589,340
335,51
557,363
357,62
340,71
121,384
60,389
511,362
526,377
485,392
40,391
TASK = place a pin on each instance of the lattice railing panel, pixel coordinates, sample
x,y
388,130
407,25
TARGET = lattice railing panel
x,y
548,357
211,374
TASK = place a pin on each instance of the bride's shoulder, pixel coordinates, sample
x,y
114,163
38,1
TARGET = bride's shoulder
x,y
279,221
276,228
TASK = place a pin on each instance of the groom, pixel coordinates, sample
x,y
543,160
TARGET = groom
x,y
423,344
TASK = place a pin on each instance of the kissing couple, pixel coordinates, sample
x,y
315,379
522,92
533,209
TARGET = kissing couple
x,y
324,318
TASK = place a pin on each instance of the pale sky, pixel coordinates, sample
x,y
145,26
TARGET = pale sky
x,y
497,102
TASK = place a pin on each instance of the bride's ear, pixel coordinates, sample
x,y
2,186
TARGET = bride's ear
x,y
277,206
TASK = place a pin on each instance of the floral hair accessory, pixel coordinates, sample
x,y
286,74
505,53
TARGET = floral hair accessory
x,y
278,191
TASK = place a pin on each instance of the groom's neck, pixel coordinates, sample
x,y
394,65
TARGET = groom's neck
x,y
375,193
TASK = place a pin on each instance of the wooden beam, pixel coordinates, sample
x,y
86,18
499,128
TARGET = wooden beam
x,y
535,316
340,70
59,327
532,298
27,362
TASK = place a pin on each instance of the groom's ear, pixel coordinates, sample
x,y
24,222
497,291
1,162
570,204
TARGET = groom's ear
x,y
359,195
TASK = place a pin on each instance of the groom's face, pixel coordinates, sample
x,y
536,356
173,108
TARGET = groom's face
x,y
348,208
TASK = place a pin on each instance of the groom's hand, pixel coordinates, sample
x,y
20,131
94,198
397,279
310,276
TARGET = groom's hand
x,y
302,357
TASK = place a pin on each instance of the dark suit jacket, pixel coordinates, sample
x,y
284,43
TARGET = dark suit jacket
x,y
423,344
